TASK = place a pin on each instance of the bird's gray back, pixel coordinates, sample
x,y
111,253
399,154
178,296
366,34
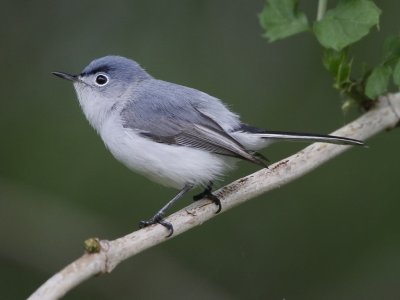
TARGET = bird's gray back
x,y
165,109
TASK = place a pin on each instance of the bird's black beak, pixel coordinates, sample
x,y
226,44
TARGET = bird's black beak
x,y
66,76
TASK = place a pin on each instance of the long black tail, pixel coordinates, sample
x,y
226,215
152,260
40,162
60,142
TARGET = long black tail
x,y
298,136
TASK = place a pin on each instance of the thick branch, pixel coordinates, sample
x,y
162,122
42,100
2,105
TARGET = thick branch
x,y
384,116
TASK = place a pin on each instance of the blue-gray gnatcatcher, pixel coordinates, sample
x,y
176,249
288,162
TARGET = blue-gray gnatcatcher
x,y
175,135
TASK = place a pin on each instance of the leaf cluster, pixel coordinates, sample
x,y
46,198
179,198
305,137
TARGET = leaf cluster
x,y
336,30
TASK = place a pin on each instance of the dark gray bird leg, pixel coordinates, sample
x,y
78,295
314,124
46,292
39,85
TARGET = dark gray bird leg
x,y
208,194
159,216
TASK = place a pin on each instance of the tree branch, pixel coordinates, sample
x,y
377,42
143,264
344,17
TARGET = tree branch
x,y
109,254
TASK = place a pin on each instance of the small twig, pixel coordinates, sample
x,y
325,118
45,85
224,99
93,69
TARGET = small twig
x,y
110,253
322,5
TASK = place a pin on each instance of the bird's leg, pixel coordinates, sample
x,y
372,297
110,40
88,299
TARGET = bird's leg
x,y
208,194
159,216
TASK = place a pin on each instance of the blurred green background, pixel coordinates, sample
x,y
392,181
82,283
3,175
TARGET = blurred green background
x,y
333,234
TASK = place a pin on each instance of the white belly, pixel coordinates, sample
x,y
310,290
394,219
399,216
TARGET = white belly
x,y
169,165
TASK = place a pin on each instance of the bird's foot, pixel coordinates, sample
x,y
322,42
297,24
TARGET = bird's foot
x,y
208,194
158,219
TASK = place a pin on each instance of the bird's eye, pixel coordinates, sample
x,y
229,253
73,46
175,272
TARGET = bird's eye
x,y
101,80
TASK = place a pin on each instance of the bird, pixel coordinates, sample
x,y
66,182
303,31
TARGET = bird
x,y
175,135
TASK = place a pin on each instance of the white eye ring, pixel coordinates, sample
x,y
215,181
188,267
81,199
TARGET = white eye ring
x,y
101,80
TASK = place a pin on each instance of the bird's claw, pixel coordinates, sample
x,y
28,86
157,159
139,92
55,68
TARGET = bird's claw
x,y
207,194
158,219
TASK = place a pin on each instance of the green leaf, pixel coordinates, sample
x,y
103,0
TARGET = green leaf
x,y
347,23
339,65
396,73
391,50
281,18
378,81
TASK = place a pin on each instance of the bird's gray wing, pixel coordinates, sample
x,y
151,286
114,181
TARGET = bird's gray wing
x,y
184,125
